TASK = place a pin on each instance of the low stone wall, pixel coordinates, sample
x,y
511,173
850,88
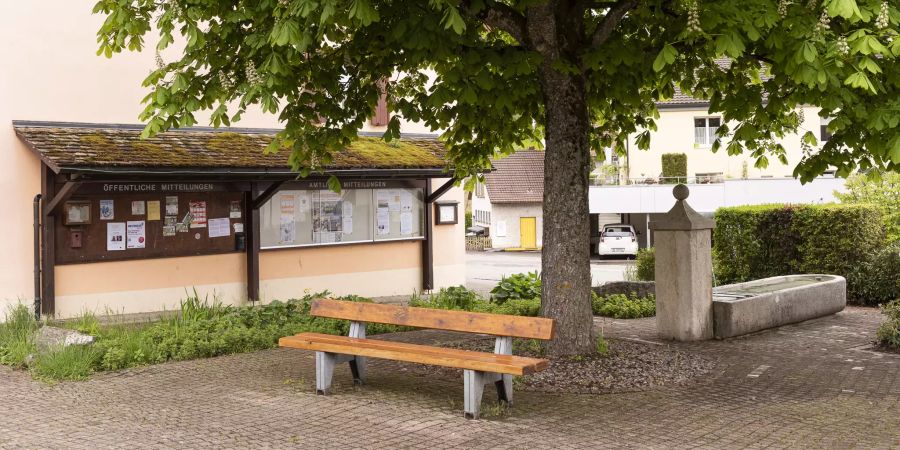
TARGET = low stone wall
x,y
638,288
748,307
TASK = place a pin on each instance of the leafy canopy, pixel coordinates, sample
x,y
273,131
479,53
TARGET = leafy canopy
x,y
470,67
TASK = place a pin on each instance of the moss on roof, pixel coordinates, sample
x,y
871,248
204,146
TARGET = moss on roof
x,y
123,147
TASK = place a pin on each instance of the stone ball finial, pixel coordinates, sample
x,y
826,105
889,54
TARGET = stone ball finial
x,y
681,192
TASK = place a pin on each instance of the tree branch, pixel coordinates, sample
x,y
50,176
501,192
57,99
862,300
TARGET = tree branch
x,y
612,18
499,16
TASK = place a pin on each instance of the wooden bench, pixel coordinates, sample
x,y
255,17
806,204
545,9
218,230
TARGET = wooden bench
x,y
479,368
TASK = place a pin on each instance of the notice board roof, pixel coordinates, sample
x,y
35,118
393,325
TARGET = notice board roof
x,y
110,148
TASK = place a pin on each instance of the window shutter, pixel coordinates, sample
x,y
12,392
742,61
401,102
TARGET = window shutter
x,y
382,116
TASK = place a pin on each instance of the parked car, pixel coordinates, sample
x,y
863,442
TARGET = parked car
x,y
618,239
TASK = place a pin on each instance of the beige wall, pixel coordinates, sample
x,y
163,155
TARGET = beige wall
x,y
50,72
675,134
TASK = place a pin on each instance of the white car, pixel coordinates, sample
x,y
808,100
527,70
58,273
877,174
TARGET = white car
x,y
618,239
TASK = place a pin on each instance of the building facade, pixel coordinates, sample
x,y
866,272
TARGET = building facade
x,y
509,203
54,80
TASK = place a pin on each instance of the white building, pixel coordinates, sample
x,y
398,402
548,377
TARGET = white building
x,y
509,203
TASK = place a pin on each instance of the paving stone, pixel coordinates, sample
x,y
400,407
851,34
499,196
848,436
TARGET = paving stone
x,y
809,396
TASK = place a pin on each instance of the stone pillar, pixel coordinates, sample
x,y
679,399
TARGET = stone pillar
x,y
683,272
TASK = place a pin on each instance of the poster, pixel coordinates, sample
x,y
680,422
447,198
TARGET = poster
x,y
238,227
347,224
304,205
169,230
234,210
382,222
181,227
115,236
382,199
327,217
137,208
287,228
153,210
171,205
107,210
406,201
405,223
394,200
136,234
198,214
220,227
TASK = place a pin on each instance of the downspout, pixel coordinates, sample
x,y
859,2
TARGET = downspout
x,y
37,257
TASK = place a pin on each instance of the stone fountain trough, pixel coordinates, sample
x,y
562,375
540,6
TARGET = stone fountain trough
x,y
771,302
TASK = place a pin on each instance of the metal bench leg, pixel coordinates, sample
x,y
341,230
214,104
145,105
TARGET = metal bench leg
x,y
324,372
474,387
358,363
358,369
505,389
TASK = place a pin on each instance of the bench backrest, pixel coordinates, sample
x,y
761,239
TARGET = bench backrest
x,y
439,319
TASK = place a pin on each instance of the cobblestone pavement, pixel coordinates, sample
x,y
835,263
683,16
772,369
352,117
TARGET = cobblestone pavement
x,y
812,385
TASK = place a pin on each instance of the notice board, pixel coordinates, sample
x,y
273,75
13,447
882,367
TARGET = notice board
x,y
152,220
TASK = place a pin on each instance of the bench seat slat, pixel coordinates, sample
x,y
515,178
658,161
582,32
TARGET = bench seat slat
x,y
439,319
423,354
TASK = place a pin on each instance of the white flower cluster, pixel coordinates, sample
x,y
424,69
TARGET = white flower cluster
x,y
883,19
812,4
822,25
284,3
252,75
801,116
782,8
843,48
226,81
160,64
693,18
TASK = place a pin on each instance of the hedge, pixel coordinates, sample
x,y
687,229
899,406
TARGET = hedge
x,y
674,168
752,242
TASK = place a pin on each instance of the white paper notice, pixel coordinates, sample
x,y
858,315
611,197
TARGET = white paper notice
x,y
382,198
238,227
394,199
406,201
171,205
383,222
136,234
406,223
115,236
347,209
219,227
107,210
287,228
347,224
137,208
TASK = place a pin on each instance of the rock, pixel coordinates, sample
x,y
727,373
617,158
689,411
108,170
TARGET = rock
x,y
49,337
639,288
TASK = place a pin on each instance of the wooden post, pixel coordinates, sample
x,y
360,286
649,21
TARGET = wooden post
x,y
48,245
427,247
251,232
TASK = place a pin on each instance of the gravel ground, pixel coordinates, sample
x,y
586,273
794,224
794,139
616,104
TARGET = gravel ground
x,y
629,366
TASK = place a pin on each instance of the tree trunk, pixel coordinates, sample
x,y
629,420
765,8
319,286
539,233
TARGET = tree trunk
x,y
566,292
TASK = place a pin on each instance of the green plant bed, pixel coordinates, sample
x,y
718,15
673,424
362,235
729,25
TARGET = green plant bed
x,y
888,333
620,306
200,329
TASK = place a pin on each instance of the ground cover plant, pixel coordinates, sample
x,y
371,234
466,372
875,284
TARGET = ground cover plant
x,y
201,328
620,306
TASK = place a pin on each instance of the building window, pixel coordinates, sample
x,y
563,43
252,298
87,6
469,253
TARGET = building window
x,y
824,133
294,218
479,189
705,130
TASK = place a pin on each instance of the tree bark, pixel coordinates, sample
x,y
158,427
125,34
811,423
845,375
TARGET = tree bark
x,y
566,274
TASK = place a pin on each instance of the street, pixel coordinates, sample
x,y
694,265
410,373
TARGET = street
x,y
484,269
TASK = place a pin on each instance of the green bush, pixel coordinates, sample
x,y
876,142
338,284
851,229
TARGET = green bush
x,y
517,307
752,242
881,191
454,297
619,306
888,333
517,286
674,168
645,264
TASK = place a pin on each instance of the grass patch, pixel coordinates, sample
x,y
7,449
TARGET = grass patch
x,y
16,336
888,333
620,306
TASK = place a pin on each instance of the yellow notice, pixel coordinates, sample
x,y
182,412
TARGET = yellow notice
x,y
153,210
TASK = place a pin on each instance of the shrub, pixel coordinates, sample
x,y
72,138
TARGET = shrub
x,y
882,192
752,242
674,168
645,264
619,306
888,333
454,297
517,286
517,307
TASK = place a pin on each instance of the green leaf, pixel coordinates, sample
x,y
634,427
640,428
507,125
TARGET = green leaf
x,y
842,8
895,151
665,57
453,20
334,184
